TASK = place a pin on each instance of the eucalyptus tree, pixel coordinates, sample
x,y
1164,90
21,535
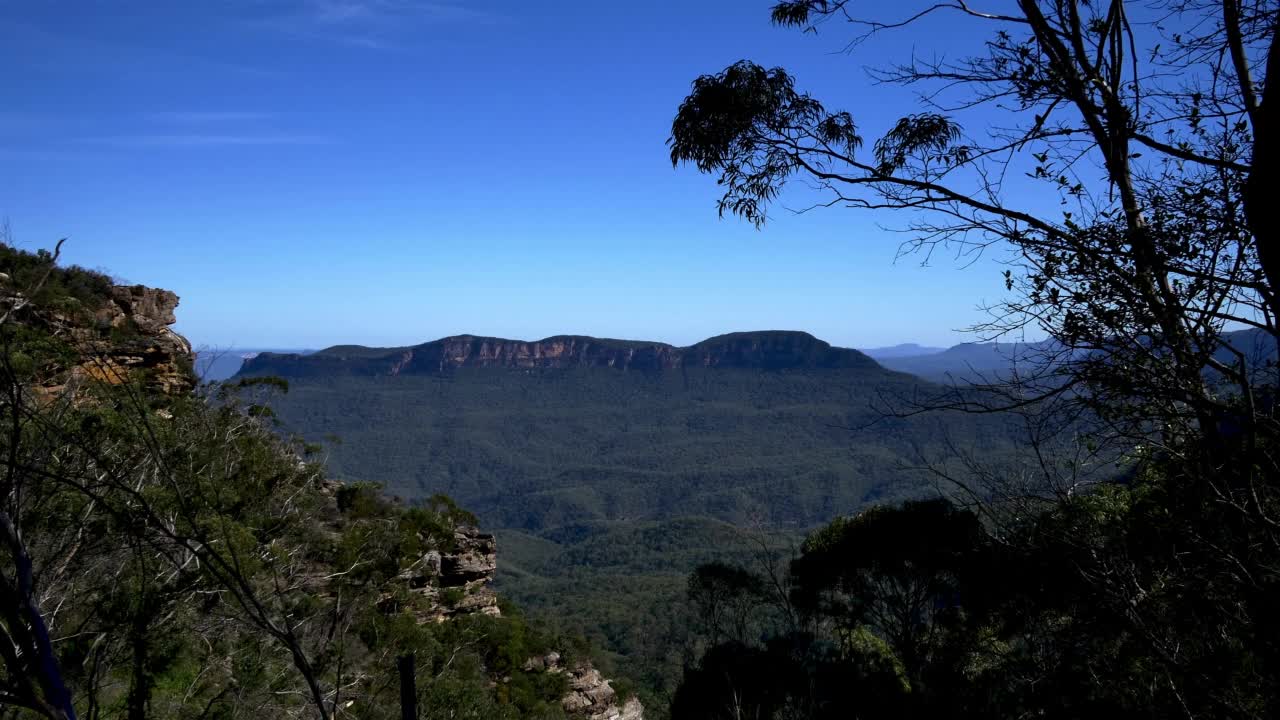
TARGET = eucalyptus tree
x,y
1149,131
1146,132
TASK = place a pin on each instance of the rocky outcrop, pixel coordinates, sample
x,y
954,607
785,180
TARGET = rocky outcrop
x,y
125,337
590,695
458,579
474,558
138,341
771,350
454,577
151,310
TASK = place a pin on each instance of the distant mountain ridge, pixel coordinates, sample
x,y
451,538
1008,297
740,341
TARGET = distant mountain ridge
x,y
766,350
995,361
972,361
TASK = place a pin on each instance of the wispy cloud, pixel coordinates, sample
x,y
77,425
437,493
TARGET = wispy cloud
x,y
172,128
206,117
374,24
115,56
194,140
346,12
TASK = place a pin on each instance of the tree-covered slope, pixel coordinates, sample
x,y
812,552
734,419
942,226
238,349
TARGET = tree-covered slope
x,y
169,553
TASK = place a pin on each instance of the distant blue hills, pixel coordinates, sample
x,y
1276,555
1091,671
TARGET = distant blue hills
x,y
902,350
995,360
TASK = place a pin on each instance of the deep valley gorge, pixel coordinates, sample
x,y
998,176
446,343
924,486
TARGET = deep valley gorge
x,y
810,360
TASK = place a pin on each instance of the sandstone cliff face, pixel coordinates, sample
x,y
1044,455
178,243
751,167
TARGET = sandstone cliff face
x,y
554,352
127,338
772,350
150,347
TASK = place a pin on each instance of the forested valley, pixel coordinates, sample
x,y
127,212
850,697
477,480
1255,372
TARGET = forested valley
x,y
758,525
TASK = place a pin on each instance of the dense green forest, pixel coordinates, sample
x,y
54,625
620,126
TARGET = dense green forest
x,y
622,585
606,487
540,449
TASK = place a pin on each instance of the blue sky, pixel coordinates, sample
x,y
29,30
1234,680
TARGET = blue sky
x,y
311,172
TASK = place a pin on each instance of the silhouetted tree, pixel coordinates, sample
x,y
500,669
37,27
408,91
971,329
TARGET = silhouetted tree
x,y
1148,147
897,571
33,677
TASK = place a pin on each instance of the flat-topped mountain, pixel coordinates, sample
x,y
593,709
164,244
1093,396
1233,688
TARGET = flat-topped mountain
x,y
774,426
765,350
